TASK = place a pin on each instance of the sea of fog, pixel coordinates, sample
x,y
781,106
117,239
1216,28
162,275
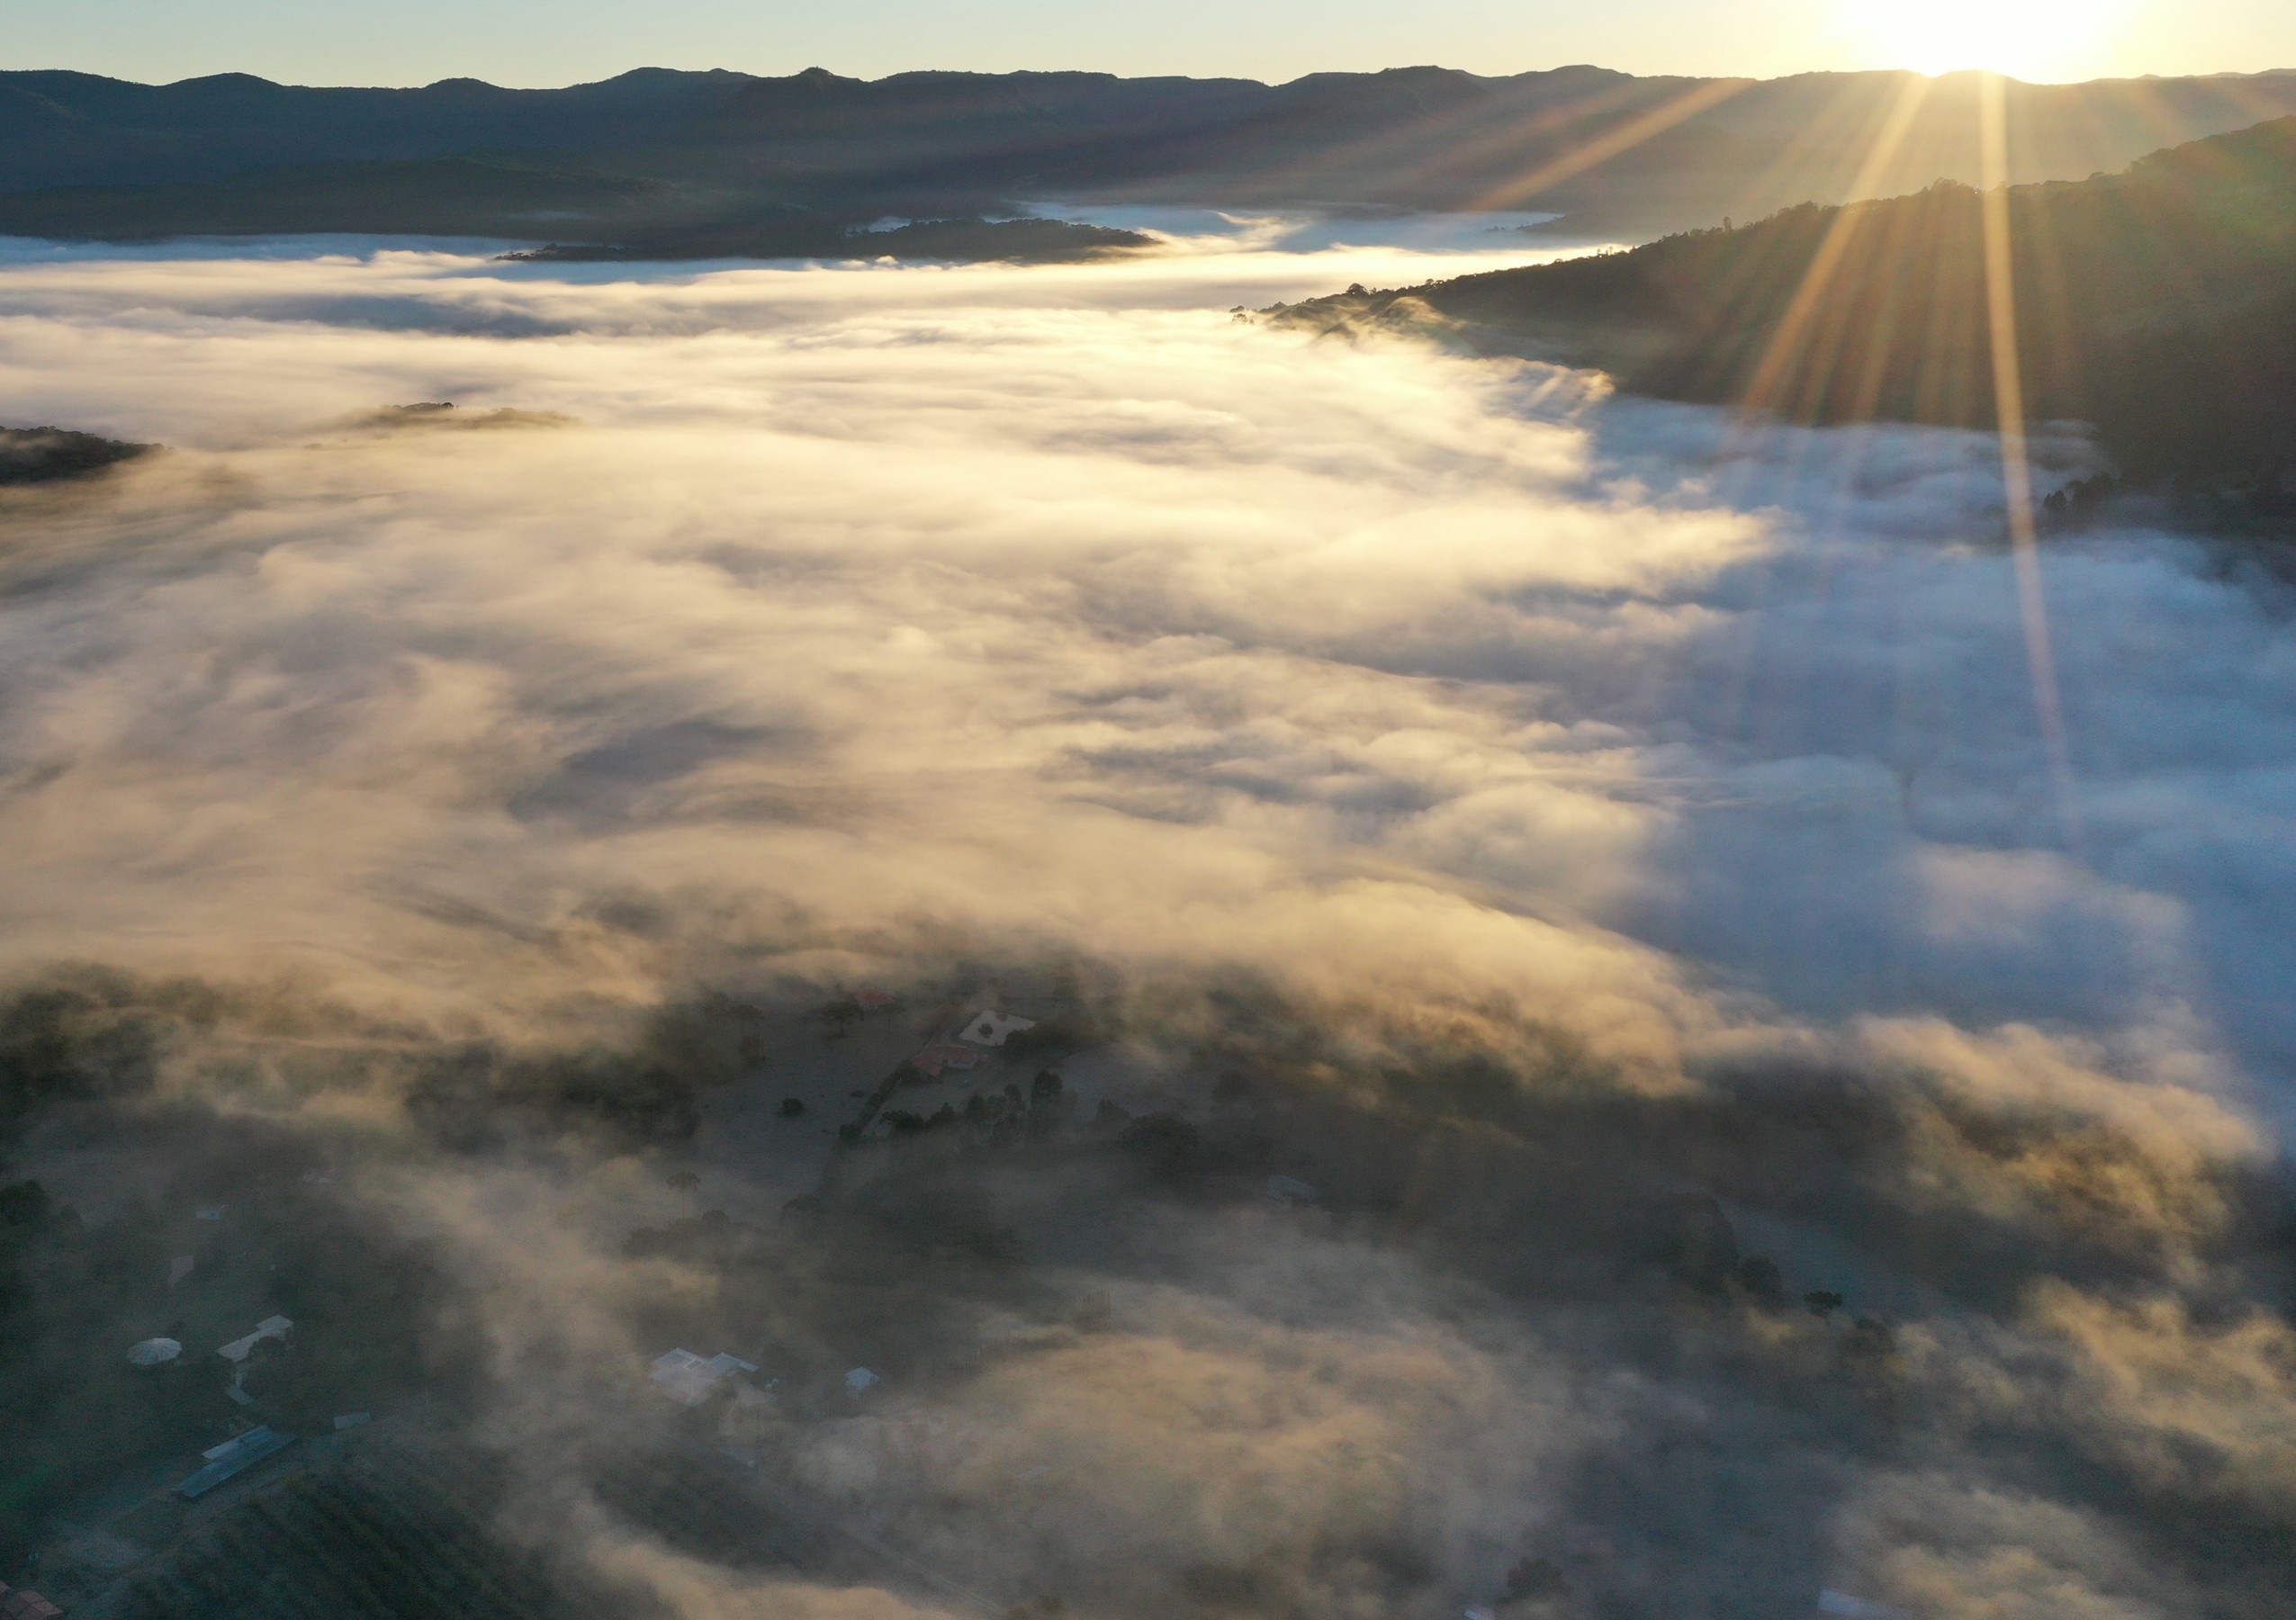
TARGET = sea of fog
x,y
1023,567
816,622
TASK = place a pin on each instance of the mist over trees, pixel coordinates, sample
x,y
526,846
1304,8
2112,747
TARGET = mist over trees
x,y
990,1266
44,454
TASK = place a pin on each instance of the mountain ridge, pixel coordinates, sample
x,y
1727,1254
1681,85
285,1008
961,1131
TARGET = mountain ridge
x,y
1626,155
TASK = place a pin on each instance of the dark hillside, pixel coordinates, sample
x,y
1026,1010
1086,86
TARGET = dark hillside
x,y
2159,303
807,235
1613,152
443,196
598,216
43,454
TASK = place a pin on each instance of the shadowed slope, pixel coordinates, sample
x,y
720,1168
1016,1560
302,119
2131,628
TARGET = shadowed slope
x,y
1615,153
43,454
2159,304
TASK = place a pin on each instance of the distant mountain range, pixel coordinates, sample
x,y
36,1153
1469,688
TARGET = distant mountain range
x,y
654,151
808,234
606,216
2158,304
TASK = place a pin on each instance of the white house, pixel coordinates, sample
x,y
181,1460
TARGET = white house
x,y
689,1380
270,1327
991,1027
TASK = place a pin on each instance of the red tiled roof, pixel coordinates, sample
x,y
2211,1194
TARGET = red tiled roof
x,y
945,1055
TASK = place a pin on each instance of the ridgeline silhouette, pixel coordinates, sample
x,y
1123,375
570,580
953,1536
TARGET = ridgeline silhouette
x,y
655,150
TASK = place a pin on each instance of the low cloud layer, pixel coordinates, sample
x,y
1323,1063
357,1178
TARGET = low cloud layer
x,y
1556,809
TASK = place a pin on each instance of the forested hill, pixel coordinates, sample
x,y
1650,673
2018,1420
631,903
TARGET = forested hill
x,y
1610,151
2159,303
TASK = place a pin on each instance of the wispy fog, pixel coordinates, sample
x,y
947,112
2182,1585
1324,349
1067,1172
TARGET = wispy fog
x,y
1552,808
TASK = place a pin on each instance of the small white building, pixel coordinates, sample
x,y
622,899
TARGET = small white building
x,y
690,1378
270,1327
991,1028
234,1456
1831,1602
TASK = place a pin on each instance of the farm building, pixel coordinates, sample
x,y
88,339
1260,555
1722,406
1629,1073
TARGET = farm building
x,y
689,1380
991,1027
934,1060
270,1327
234,1456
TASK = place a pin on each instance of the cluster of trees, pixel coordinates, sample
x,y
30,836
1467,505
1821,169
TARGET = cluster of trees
x,y
72,1409
43,454
76,1293
89,1036
482,1094
370,1331
994,1117
2079,500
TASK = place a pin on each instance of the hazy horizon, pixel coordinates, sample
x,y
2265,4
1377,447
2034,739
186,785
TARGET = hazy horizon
x,y
522,44
876,76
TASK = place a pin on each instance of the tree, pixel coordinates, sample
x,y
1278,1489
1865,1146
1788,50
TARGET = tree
x,y
1164,1143
1047,1104
1870,1339
839,1015
1535,1579
1764,1284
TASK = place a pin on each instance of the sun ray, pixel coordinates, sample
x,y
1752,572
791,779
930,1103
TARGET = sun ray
x,y
2016,466
1627,136
1788,342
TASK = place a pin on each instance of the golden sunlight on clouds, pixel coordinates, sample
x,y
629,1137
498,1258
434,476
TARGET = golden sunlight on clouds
x,y
1492,858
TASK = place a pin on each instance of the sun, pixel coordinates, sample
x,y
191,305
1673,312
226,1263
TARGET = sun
x,y
2043,41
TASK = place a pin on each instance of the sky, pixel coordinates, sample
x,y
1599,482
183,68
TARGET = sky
x,y
541,42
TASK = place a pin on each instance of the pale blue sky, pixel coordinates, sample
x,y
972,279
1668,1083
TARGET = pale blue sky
x,y
561,41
